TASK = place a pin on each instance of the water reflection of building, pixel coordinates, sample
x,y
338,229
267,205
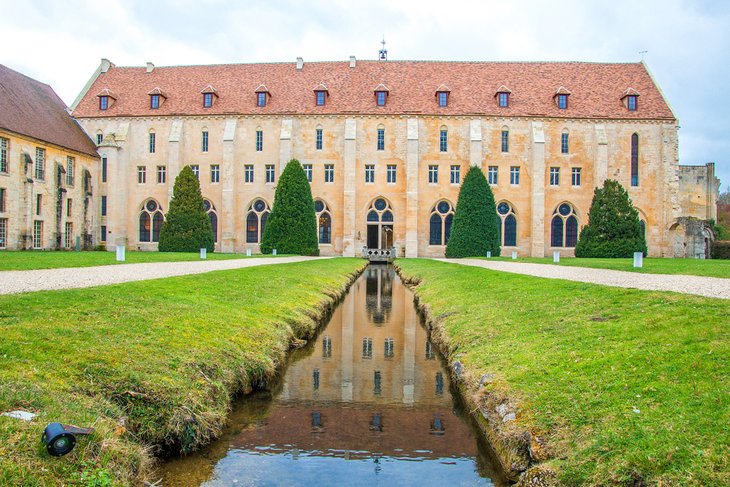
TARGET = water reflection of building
x,y
378,353
370,389
378,293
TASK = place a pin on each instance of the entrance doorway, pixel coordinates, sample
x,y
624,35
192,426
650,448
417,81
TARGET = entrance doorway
x,y
380,225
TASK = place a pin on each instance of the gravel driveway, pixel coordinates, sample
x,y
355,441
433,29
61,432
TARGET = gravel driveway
x,y
712,287
12,282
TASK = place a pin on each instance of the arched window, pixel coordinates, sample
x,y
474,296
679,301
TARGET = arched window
x,y
442,215
564,226
324,222
258,212
508,224
150,221
635,160
213,215
380,224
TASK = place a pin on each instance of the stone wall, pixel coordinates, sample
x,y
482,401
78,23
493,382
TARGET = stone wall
x,y
600,148
22,189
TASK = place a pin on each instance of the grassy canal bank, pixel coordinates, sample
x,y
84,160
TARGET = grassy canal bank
x,y
614,386
151,365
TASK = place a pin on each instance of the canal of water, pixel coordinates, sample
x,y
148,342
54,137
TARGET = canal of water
x,y
368,402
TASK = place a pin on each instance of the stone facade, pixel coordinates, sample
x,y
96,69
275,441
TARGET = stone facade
x,y
47,210
599,146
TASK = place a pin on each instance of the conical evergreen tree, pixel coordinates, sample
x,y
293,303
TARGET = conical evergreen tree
x,y
292,226
187,226
475,230
613,228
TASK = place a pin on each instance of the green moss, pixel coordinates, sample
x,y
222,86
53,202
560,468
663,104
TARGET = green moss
x,y
623,385
146,363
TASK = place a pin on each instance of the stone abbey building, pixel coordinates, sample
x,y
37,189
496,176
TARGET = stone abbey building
x,y
386,145
48,170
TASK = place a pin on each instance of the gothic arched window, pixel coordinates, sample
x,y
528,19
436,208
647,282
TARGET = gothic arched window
x,y
150,221
442,215
258,212
507,224
564,226
324,222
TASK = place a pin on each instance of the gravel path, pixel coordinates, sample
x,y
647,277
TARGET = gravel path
x,y
12,282
712,287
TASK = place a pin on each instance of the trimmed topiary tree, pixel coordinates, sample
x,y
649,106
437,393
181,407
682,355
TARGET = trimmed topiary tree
x,y
292,226
475,230
187,226
613,228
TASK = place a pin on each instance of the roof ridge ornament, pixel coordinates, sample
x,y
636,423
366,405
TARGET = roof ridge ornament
x,y
383,53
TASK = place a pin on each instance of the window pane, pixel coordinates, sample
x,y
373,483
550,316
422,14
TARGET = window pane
x,y
144,227
571,231
435,230
510,231
556,232
214,225
252,228
447,227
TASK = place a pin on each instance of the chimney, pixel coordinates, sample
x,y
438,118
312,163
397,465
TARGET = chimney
x,y
300,63
105,65
150,67
352,61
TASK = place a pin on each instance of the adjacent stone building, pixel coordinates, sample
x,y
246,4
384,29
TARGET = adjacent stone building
x,y
386,144
47,169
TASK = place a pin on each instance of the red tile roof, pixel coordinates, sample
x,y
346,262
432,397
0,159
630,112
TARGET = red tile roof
x,y
31,108
596,89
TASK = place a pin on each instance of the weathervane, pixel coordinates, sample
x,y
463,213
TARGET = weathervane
x,y
383,54
642,54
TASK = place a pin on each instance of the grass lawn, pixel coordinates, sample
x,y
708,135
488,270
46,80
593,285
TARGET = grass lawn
x,y
150,363
656,265
34,259
623,384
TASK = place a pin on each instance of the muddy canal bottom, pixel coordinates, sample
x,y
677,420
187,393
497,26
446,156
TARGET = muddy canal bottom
x,y
366,403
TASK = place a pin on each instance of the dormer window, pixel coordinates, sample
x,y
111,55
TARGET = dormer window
x,y
209,94
631,103
262,96
562,102
105,99
631,99
561,98
442,95
503,96
320,94
156,98
381,95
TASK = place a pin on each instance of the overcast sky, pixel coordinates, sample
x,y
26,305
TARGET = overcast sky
x,y
687,42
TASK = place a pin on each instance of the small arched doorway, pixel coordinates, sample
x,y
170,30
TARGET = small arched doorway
x,y
380,225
